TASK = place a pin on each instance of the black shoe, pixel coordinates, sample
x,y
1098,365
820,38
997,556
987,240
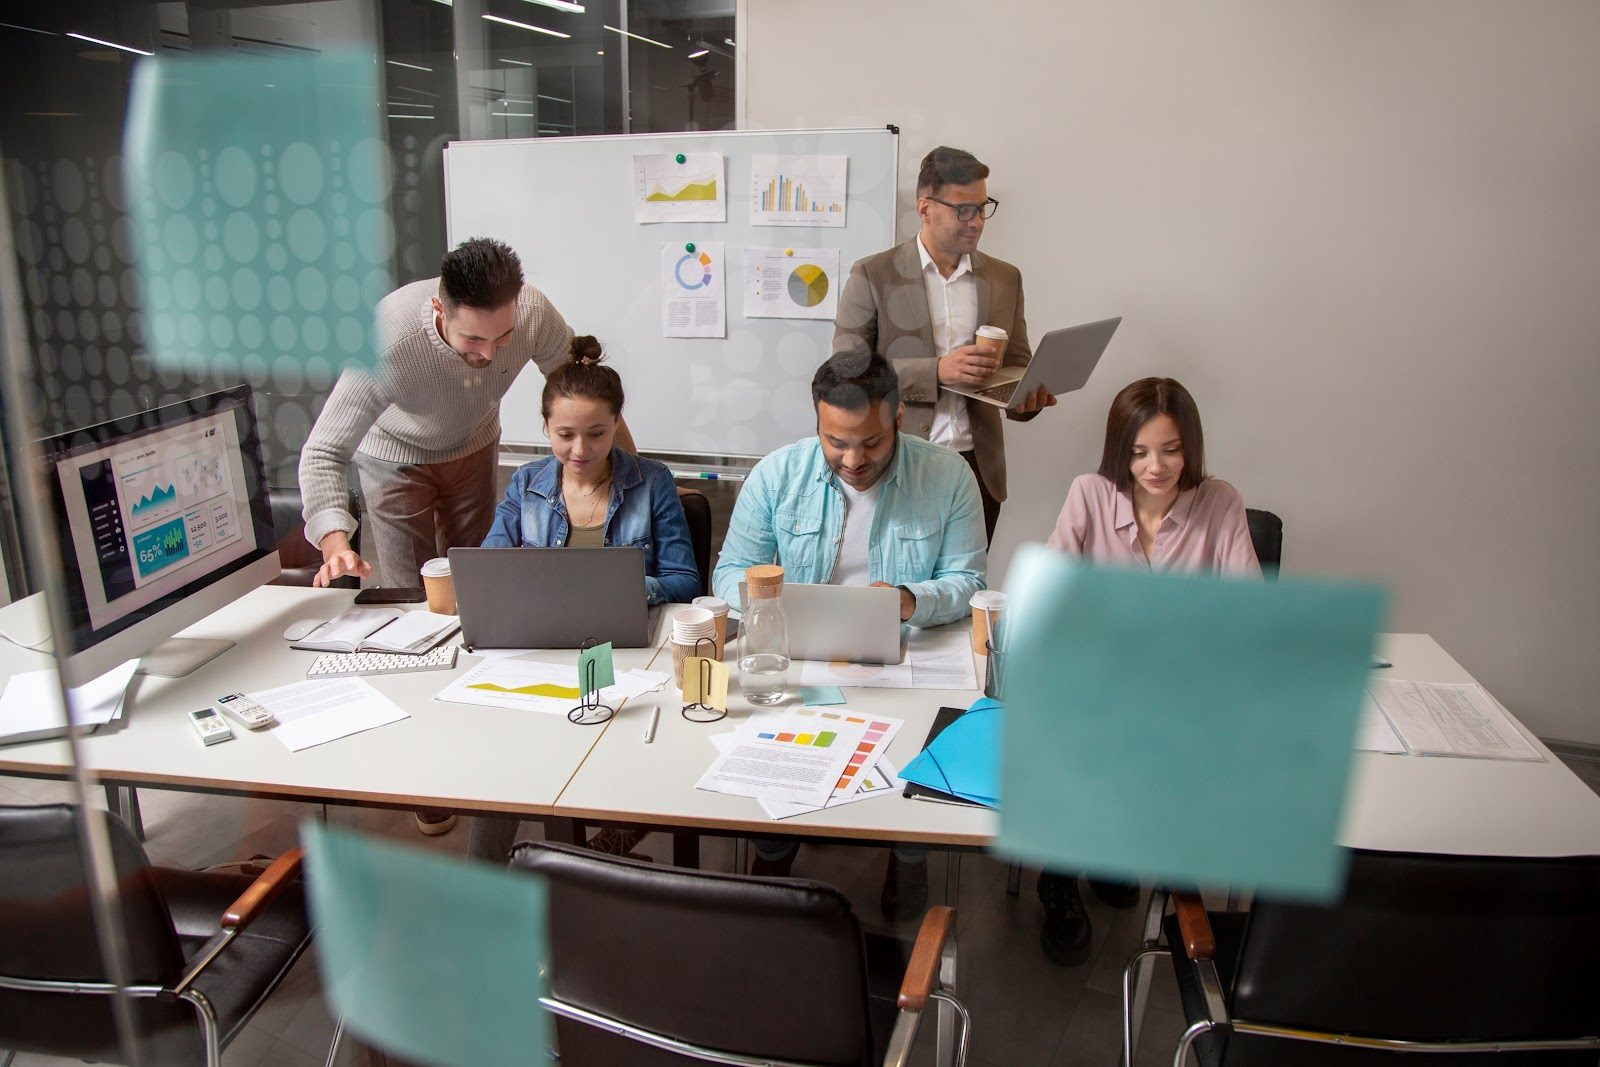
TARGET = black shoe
x,y
1116,894
1065,937
778,868
905,889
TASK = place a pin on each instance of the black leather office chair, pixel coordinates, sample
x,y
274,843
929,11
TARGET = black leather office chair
x,y
298,559
1482,961
1266,534
661,965
697,509
203,950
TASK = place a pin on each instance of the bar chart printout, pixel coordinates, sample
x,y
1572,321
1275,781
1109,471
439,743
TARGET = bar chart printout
x,y
798,190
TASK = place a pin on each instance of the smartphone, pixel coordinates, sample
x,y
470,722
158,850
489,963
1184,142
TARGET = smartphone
x,y
390,594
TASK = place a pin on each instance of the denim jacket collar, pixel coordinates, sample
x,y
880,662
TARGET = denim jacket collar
x,y
625,474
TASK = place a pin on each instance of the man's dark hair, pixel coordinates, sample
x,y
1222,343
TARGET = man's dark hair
x,y
948,166
852,380
480,273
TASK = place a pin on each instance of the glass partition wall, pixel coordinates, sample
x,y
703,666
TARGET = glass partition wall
x,y
73,337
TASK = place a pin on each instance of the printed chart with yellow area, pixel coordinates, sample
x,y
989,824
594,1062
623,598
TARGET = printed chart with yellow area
x,y
679,187
703,187
808,285
518,685
791,283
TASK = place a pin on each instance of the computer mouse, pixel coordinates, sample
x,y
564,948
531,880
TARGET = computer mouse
x,y
301,628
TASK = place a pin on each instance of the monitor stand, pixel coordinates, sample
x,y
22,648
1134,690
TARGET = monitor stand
x,y
178,656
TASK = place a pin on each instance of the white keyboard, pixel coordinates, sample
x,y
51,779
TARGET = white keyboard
x,y
348,664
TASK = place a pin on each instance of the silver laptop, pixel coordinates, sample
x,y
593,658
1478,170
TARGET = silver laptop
x,y
551,597
858,623
1062,363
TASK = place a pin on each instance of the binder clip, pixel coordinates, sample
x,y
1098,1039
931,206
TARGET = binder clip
x,y
699,711
589,712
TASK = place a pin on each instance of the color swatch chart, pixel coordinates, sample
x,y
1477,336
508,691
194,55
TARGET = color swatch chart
x,y
875,742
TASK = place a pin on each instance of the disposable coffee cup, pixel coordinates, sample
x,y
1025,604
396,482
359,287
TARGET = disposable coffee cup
x,y
987,604
992,337
719,618
692,623
682,650
439,586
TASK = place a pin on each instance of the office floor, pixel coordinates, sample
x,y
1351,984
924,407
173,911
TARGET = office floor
x,y
1026,1011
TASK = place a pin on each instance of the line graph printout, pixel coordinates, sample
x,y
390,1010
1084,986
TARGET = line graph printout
x,y
798,190
681,187
791,283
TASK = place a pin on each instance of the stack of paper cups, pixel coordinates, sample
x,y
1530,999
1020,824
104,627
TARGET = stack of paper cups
x,y
719,617
691,626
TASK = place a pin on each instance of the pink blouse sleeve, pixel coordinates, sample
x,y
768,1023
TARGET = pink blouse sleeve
x,y
1072,523
1236,553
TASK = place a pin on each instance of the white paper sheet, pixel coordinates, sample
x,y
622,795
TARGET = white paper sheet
x,y
1451,719
665,190
694,290
770,760
935,659
316,712
495,684
1374,732
31,704
791,283
806,190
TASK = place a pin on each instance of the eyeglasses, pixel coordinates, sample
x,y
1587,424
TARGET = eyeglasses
x,y
968,212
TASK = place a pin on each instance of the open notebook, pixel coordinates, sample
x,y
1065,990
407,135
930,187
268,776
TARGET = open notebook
x,y
380,630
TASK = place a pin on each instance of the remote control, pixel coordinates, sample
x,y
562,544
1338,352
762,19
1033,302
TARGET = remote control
x,y
246,712
209,725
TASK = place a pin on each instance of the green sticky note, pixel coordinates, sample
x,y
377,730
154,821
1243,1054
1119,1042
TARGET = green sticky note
x,y
602,675
435,959
257,189
817,696
1187,729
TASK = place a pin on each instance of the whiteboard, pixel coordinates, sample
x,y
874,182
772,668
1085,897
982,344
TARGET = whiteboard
x,y
566,206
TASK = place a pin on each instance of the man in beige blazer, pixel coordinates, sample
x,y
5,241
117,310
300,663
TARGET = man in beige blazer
x,y
919,304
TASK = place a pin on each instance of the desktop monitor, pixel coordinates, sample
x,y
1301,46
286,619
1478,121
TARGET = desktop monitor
x,y
162,518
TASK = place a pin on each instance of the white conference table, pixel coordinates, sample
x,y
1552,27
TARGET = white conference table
x,y
487,759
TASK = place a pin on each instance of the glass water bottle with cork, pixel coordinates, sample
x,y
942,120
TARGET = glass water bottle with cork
x,y
764,636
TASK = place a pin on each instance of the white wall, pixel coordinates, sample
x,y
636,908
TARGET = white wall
x,y
1366,235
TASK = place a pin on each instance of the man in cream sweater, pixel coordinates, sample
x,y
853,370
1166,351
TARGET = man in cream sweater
x,y
423,426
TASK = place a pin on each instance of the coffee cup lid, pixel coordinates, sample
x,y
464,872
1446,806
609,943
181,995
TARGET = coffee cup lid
x,y
991,331
988,598
438,567
714,604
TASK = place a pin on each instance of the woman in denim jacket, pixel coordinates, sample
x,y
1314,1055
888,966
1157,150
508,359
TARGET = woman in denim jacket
x,y
592,494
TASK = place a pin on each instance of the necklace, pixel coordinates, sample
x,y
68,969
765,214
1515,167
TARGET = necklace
x,y
590,494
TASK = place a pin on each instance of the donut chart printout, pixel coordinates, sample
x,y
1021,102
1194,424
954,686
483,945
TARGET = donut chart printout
x,y
791,283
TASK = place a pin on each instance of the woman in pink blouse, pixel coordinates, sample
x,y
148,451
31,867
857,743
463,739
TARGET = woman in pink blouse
x,y
1150,505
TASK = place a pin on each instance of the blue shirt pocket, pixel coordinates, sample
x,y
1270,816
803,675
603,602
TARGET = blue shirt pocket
x,y
914,546
799,537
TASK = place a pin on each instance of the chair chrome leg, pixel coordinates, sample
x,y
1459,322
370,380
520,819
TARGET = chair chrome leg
x,y
7,1061
1154,912
945,1019
1180,1057
1130,1033
1014,879
338,1035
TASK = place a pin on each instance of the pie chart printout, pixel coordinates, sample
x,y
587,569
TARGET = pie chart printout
x,y
808,285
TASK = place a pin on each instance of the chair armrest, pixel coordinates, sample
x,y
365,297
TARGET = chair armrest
x,y
923,970
1198,940
262,891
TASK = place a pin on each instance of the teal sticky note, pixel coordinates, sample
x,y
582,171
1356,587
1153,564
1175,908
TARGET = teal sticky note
x,y
818,696
435,959
602,675
1187,729
257,188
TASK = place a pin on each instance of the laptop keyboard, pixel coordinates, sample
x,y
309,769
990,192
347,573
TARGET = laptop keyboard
x,y
353,664
1002,393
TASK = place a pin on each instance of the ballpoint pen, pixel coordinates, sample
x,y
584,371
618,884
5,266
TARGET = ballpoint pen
x,y
650,731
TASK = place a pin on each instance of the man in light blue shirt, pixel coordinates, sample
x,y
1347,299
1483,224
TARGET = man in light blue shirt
x,y
862,503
